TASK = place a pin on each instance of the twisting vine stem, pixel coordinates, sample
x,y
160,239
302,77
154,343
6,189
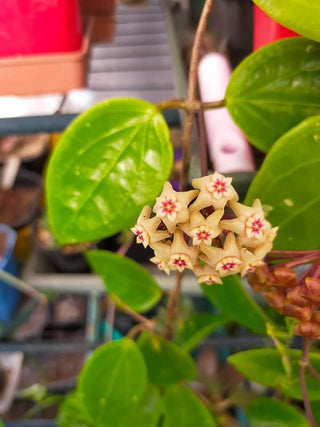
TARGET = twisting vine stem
x,y
172,308
190,107
192,90
303,364
173,303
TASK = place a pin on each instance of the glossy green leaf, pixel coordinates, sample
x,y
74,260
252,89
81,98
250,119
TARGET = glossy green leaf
x,y
148,412
183,408
73,413
126,279
267,412
301,16
166,362
193,331
112,382
288,186
110,162
233,300
274,89
265,367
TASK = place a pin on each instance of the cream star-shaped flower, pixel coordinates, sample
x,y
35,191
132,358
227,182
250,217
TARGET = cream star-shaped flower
x,y
162,252
262,250
206,274
161,264
172,206
203,230
182,256
215,190
146,228
227,260
250,224
250,262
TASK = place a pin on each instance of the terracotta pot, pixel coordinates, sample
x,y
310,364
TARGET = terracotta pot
x,y
38,74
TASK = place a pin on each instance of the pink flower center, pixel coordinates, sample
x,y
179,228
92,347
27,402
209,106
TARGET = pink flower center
x,y
228,266
139,235
203,235
256,226
180,262
219,186
168,207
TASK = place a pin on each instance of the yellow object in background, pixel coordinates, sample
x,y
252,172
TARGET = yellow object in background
x,y
23,245
54,139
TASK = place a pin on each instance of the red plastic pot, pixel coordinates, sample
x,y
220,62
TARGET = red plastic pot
x,y
39,26
266,30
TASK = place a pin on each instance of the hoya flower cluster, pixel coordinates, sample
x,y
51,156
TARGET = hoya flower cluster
x,y
205,230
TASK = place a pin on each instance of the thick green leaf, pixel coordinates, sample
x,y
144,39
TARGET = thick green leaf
x,y
267,412
126,279
265,367
148,412
274,89
302,16
112,382
183,408
233,300
193,331
166,362
288,185
109,163
72,412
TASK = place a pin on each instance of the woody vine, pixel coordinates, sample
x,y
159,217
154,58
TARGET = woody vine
x,y
109,173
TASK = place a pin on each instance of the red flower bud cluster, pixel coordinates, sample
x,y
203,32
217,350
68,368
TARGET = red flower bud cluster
x,y
282,291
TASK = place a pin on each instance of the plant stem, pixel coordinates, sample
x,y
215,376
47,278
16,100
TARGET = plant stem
x,y
111,311
292,254
111,307
22,286
173,303
301,260
172,308
125,246
190,107
312,271
136,316
202,144
313,372
303,363
192,90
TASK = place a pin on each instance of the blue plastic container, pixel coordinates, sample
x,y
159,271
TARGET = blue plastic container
x,y
9,296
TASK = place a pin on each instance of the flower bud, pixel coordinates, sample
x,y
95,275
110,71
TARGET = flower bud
x,y
294,297
282,278
276,299
285,276
308,328
262,274
256,287
291,310
316,317
311,289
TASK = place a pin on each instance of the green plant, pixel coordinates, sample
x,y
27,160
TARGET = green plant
x,y
113,161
